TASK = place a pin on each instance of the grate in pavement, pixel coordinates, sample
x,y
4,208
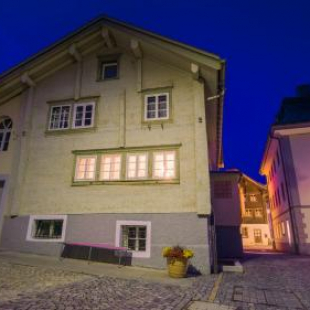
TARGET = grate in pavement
x,y
267,297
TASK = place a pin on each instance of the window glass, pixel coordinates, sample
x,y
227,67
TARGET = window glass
x,y
137,166
85,168
48,229
110,167
157,106
164,165
5,133
59,117
134,237
83,115
109,70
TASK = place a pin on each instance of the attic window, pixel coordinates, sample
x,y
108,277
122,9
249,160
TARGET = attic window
x,y
108,68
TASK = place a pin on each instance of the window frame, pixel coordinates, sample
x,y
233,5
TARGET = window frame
x,y
83,104
107,59
118,236
120,168
7,131
153,164
31,223
76,166
156,95
147,176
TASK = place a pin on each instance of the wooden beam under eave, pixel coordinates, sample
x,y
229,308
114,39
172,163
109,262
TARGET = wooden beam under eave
x,y
136,48
27,80
75,53
108,37
195,71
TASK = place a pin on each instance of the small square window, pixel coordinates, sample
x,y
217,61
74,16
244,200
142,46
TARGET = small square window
x,y
108,70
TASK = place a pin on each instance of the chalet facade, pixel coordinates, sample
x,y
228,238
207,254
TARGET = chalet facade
x,y
108,137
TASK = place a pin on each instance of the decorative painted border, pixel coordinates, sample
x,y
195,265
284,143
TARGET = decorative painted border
x,y
32,218
138,254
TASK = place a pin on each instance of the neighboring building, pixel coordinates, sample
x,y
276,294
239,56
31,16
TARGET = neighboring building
x,y
255,227
286,166
226,202
108,137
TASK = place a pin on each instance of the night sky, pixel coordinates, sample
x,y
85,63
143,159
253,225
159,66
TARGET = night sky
x,y
266,45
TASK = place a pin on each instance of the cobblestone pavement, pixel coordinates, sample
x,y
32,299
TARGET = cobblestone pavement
x,y
270,282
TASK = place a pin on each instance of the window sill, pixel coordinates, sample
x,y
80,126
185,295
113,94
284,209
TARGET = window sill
x,y
126,182
69,131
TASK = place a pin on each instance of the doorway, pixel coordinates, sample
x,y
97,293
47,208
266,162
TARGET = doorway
x,y
258,236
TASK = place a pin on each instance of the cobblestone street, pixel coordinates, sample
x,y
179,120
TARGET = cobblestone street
x,y
270,282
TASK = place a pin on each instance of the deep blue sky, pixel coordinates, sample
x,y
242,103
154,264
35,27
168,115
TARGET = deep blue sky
x,y
266,45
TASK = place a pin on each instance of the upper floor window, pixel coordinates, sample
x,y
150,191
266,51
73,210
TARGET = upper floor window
x,y
62,118
5,133
137,166
248,213
156,107
110,168
164,165
258,213
85,168
222,189
109,70
253,198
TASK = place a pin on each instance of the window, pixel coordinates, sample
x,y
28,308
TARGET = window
x,y
5,133
156,106
110,167
83,115
245,232
135,236
137,166
47,228
258,213
222,189
164,165
248,213
109,70
253,198
60,117
85,168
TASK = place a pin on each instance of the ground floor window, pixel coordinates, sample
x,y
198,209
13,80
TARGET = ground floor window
x,y
135,236
245,232
46,228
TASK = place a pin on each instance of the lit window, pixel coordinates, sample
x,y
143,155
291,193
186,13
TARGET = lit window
x,y
83,115
59,118
5,133
248,213
164,165
258,213
137,166
85,168
157,106
109,70
110,167
245,232
253,198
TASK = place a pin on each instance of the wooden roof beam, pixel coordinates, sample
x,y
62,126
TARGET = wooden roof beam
x,y
108,37
26,79
75,53
195,71
136,48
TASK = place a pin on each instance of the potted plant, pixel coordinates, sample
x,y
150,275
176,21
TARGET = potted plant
x,y
177,260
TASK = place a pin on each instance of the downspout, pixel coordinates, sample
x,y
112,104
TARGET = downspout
x,y
292,218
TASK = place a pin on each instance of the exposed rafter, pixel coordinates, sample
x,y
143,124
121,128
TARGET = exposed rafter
x,y
26,79
108,37
75,53
136,48
195,71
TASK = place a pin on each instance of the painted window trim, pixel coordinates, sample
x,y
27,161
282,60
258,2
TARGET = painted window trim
x,y
139,254
156,94
83,104
32,218
146,153
6,131
50,117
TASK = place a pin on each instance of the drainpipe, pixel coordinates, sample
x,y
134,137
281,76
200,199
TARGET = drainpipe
x,y
292,218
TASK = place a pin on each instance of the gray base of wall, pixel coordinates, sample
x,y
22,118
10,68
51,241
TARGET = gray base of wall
x,y
184,229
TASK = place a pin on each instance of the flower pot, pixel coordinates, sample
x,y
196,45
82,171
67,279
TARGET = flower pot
x,y
177,267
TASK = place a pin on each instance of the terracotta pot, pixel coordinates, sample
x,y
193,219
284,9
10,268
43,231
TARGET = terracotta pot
x,y
177,267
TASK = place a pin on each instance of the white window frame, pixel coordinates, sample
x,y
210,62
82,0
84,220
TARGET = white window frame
x,y
118,235
51,114
105,64
31,223
156,106
101,164
175,165
137,165
76,168
83,104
